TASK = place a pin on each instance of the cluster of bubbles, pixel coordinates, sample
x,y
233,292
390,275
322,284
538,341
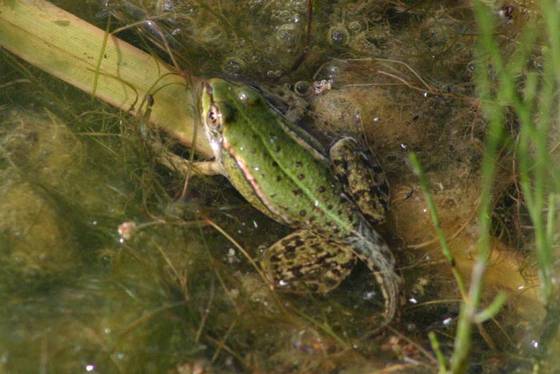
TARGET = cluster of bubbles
x,y
265,42
359,35
272,52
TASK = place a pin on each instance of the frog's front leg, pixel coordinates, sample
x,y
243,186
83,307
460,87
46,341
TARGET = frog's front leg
x,y
177,163
206,167
362,177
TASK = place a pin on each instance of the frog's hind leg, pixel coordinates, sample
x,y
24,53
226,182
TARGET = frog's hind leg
x,y
362,177
304,261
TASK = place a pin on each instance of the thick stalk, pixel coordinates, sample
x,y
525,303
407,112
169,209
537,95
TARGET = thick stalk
x,y
86,57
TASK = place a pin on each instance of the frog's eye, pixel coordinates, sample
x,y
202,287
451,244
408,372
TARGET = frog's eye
x,y
214,116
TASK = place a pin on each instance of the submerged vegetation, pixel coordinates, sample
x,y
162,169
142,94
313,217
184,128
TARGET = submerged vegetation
x,y
115,259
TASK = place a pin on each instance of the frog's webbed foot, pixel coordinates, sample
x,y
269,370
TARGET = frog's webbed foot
x,y
303,262
380,260
362,177
390,283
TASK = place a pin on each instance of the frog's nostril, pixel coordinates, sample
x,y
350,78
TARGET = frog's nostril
x,y
207,87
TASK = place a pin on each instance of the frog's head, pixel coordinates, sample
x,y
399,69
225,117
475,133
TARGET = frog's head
x,y
222,102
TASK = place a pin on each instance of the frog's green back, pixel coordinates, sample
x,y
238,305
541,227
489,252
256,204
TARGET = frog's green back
x,y
288,176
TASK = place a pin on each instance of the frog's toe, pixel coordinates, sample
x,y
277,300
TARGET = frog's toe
x,y
362,177
304,261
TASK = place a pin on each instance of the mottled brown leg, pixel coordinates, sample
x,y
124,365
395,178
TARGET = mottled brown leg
x,y
304,261
362,177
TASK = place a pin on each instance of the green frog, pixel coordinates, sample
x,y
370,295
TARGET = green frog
x,y
330,200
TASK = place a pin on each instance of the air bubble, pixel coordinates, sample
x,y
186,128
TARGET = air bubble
x,y
339,36
330,71
302,88
369,295
233,66
355,27
287,34
273,74
243,96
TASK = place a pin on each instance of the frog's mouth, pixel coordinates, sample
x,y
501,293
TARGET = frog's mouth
x,y
206,88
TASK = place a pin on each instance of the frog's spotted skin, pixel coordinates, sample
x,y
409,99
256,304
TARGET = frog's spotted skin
x,y
304,261
284,175
362,177
320,264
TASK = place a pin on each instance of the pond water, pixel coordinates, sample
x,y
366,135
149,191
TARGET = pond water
x,y
111,262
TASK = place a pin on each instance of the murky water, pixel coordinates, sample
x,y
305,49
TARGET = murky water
x,y
180,295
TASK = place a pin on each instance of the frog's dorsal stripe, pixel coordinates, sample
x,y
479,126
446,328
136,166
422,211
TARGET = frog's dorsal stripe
x,y
263,136
301,137
298,133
